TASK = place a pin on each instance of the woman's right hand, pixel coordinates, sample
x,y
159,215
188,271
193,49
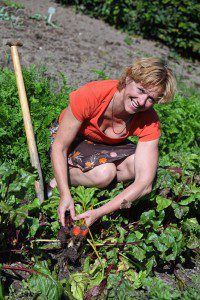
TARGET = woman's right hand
x,y
66,203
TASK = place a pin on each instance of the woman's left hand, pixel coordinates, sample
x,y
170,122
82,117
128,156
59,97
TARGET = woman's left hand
x,y
90,217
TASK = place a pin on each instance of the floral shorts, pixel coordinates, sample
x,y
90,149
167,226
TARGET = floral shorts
x,y
86,154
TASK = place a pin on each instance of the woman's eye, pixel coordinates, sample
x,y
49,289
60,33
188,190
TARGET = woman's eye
x,y
151,100
141,90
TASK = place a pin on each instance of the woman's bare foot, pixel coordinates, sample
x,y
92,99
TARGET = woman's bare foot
x,y
52,184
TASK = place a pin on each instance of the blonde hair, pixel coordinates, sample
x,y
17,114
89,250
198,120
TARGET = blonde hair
x,y
151,72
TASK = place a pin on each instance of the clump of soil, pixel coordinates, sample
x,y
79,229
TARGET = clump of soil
x,y
71,251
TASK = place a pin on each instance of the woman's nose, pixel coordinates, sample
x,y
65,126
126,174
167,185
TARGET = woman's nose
x,y
142,99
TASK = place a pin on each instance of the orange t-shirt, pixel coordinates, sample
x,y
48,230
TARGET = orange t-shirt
x,y
89,102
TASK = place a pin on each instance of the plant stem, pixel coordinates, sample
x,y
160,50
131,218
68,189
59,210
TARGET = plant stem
x,y
95,250
119,244
102,202
45,241
14,250
6,267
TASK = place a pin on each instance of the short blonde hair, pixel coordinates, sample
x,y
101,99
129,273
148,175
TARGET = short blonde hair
x,y
151,72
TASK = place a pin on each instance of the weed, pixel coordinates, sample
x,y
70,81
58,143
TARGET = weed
x,y
128,40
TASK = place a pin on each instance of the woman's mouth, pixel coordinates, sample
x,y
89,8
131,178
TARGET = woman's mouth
x,y
134,105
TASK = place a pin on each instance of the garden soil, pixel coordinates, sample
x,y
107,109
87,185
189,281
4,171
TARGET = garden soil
x,y
78,46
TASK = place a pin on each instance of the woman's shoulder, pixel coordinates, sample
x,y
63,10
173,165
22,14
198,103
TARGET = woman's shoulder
x,y
96,91
147,126
101,88
147,116
103,83
89,97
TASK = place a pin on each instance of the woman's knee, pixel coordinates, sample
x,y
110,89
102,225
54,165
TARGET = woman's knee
x,y
104,174
126,170
131,171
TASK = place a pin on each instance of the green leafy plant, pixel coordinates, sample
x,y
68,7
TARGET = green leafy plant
x,y
37,17
45,106
5,16
13,4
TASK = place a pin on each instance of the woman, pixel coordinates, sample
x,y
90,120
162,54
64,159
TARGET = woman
x,y
91,140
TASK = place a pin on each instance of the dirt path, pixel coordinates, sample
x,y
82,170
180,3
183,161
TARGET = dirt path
x,y
80,44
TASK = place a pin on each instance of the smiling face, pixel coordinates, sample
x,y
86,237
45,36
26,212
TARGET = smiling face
x,y
136,98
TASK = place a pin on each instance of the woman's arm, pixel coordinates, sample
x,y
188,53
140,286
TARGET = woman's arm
x,y
146,159
68,129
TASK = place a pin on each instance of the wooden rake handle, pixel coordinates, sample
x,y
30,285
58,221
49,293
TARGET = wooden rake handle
x,y
39,187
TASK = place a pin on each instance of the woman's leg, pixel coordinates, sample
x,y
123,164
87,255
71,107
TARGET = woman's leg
x,y
53,183
100,176
126,169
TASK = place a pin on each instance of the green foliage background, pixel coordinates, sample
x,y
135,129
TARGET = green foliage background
x,y
45,102
175,23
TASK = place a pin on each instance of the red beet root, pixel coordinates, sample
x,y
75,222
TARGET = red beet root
x,y
76,231
84,230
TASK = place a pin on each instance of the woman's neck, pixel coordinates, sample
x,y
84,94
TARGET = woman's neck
x,y
119,111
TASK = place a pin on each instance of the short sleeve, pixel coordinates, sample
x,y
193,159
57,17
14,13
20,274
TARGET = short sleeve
x,y
150,127
82,102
